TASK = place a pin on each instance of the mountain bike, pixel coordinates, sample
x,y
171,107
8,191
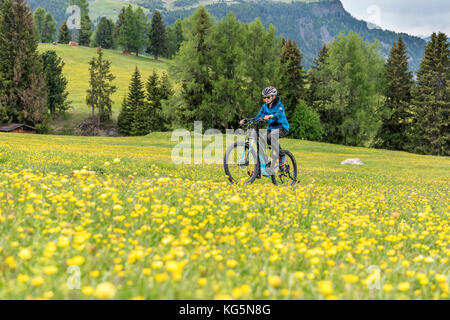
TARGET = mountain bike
x,y
249,167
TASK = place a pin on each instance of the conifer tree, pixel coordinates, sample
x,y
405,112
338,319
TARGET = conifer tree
x,y
193,67
263,65
39,20
84,37
431,101
49,30
125,118
228,68
100,90
104,34
22,87
64,34
293,76
393,133
118,26
174,38
133,30
158,89
157,36
137,104
55,81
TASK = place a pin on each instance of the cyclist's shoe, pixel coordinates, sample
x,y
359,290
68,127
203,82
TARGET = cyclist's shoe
x,y
250,173
283,164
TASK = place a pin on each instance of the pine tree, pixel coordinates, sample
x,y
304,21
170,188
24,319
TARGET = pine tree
x,y
352,85
393,133
262,63
432,99
118,26
136,102
125,118
64,34
293,77
133,30
228,69
39,21
158,40
174,38
84,37
100,90
49,30
104,34
157,89
319,96
22,89
193,65
55,81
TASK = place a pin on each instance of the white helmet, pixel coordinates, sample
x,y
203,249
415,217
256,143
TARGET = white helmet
x,y
269,91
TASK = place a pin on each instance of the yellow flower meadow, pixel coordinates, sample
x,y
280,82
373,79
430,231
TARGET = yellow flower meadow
x,y
116,219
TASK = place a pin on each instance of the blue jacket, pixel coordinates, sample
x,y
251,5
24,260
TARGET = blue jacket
x,y
279,116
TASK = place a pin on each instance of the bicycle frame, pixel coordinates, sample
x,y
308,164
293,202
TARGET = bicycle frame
x,y
262,156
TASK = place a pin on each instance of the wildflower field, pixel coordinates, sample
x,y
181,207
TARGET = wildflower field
x,y
114,218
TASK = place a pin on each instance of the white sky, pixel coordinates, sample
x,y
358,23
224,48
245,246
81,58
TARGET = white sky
x,y
415,17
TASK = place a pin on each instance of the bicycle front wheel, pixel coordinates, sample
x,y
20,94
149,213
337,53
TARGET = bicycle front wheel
x,y
240,163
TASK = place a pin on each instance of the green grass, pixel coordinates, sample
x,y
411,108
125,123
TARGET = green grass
x,y
76,71
108,8
139,226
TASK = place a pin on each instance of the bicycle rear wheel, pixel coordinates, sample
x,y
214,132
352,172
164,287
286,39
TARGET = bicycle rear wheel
x,y
240,163
288,175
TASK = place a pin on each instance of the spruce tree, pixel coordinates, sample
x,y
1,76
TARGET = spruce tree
x,y
228,68
432,100
174,38
319,96
100,90
158,39
125,118
393,133
157,89
352,78
262,64
104,34
39,21
193,66
22,89
49,30
55,81
136,102
84,37
118,26
293,76
133,30
64,34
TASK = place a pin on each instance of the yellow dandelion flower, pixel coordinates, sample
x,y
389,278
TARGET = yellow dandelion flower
x,y
274,281
105,290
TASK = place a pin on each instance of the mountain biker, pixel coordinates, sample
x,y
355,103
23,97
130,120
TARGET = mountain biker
x,y
278,127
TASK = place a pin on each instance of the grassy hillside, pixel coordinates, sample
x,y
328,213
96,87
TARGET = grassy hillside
x,y
138,226
77,72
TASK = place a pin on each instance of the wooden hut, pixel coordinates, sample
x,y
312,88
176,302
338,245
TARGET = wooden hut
x,y
17,128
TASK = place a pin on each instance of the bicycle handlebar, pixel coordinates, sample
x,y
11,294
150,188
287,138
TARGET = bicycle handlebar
x,y
253,121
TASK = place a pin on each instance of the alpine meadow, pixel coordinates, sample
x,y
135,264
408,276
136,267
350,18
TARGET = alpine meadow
x,y
99,104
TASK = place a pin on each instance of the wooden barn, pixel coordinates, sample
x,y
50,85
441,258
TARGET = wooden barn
x,y
17,128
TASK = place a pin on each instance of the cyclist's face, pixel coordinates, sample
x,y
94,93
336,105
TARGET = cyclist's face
x,y
268,99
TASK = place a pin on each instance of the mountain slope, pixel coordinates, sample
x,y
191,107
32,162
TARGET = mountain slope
x,y
310,23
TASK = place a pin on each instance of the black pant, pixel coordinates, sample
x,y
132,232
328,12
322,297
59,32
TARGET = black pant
x,y
275,152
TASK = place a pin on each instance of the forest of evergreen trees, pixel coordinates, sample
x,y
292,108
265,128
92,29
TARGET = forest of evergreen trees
x,y
351,95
